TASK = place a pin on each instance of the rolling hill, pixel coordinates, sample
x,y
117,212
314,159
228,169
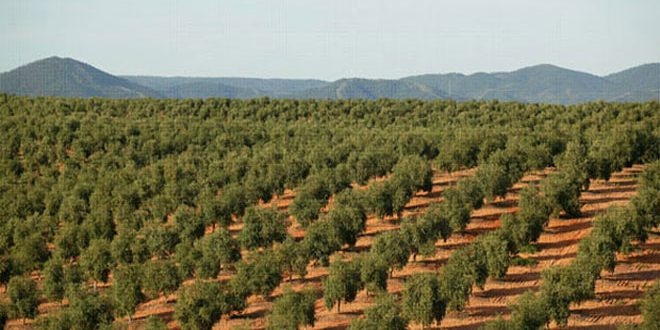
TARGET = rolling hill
x,y
55,76
538,84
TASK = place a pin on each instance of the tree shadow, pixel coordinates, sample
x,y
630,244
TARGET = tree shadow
x,y
595,327
646,275
524,277
507,203
505,292
614,310
569,228
604,200
615,189
472,326
487,218
557,245
621,294
554,256
487,311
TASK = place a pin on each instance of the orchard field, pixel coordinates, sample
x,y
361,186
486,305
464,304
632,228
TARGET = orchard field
x,y
278,214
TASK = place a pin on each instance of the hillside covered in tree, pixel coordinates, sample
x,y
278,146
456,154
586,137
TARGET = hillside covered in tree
x,y
118,203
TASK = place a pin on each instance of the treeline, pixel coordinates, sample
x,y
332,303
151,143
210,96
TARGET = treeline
x,y
132,188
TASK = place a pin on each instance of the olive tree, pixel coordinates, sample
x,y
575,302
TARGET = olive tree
x,y
292,310
96,260
423,301
342,283
201,304
126,289
393,248
262,227
24,296
385,314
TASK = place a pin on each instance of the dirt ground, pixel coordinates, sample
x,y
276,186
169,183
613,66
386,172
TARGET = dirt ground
x,y
617,293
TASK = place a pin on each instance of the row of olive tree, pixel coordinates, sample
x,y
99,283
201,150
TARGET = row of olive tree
x,y
615,231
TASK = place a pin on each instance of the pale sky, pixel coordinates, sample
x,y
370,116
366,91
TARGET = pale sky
x,y
330,39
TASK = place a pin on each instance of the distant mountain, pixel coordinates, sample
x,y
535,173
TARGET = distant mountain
x,y
67,77
541,83
227,87
640,82
372,89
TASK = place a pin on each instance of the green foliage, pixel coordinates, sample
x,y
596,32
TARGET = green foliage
x,y
385,314
562,286
97,260
456,209
527,224
495,250
437,219
261,274
575,162
201,304
498,324
471,191
373,272
311,197
29,253
215,249
188,224
342,284
126,289
646,205
160,277
456,279
305,209
86,310
422,299
321,240
160,239
293,257
76,172
525,262
54,281
651,306
414,172
528,313
494,180
393,248
562,192
292,310
420,236
348,221
188,257
534,212
126,247
262,227
461,153
155,323
380,198
617,225
24,296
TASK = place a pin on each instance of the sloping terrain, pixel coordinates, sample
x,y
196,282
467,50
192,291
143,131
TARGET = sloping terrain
x,y
617,293
55,76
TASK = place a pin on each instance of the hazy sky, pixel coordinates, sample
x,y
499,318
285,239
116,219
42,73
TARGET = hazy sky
x,y
330,39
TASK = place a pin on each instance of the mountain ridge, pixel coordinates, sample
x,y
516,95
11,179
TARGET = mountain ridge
x,y
57,76
543,83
